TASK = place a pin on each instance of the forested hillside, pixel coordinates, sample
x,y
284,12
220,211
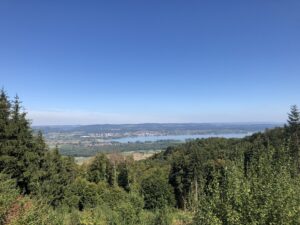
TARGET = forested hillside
x,y
254,180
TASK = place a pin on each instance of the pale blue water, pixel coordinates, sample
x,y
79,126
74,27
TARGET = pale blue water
x,y
177,137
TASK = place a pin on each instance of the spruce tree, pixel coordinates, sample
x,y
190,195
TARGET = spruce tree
x,y
294,119
21,153
24,156
5,108
54,178
21,147
4,115
293,140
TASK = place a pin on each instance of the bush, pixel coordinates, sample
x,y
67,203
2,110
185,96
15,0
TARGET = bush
x,y
34,212
8,194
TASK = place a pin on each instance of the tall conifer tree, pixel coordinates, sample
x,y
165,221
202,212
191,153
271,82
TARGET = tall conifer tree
x,y
5,108
294,119
293,133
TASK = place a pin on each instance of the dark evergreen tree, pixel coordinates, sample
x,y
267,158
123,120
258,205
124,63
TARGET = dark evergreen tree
x,y
5,109
55,176
294,119
123,177
157,192
98,169
181,178
293,131
20,157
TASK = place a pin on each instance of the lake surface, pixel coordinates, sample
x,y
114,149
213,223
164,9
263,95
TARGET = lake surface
x,y
177,137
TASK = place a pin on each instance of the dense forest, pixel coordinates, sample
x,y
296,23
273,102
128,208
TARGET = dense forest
x,y
254,180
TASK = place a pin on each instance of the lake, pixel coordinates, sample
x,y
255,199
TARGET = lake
x,y
177,137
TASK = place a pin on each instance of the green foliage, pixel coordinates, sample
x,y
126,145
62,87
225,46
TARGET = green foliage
x,y
294,119
272,200
19,157
123,177
162,217
98,169
32,212
157,192
81,194
54,177
8,194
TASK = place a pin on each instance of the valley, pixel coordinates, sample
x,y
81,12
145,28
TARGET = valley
x,y
88,140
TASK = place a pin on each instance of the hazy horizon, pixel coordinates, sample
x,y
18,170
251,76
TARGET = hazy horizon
x,y
217,123
86,118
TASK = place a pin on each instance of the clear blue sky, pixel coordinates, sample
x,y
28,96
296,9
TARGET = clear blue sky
x,y
79,62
